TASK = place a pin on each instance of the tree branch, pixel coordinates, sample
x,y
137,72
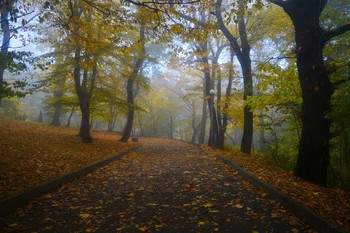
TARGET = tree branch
x,y
337,31
233,40
163,2
281,3
192,20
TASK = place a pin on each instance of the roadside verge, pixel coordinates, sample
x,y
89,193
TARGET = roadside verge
x,y
9,205
294,207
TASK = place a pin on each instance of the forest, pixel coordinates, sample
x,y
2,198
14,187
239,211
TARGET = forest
x,y
270,78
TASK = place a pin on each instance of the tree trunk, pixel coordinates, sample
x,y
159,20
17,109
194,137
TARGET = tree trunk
x,y
221,133
313,156
113,110
84,132
171,134
70,116
58,107
203,124
227,99
41,118
193,123
140,123
84,91
130,117
5,26
130,87
208,84
216,75
214,131
262,139
247,138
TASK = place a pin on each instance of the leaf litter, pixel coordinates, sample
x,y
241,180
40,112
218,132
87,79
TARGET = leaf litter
x,y
34,153
149,190
331,203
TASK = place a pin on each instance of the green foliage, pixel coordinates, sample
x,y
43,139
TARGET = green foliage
x,y
282,140
278,101
15,63
10,108
340,152
14,89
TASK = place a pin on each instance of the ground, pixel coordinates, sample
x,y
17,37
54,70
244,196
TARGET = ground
x,y
168,186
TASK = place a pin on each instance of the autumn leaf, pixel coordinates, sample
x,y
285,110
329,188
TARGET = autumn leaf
x,y
49,153
207,205
84,215
152,204
143,228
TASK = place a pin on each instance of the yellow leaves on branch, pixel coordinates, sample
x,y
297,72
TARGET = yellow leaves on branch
x,y
176,29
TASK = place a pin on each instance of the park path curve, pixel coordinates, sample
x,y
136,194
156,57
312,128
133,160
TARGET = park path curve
x,y
166,186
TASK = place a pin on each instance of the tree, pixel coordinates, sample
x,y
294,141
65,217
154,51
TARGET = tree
x,y
317,90
13,61
131,94
242,53
89,40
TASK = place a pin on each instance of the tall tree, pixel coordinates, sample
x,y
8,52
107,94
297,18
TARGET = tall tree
x,y
131,94
242,52
317,90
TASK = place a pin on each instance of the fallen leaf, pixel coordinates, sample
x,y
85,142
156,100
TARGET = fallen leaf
x,y
84,215
207,205
143,228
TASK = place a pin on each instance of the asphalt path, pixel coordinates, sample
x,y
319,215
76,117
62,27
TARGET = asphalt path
x,y
166,186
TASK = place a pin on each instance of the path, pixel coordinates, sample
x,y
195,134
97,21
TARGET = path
x,y
166,186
